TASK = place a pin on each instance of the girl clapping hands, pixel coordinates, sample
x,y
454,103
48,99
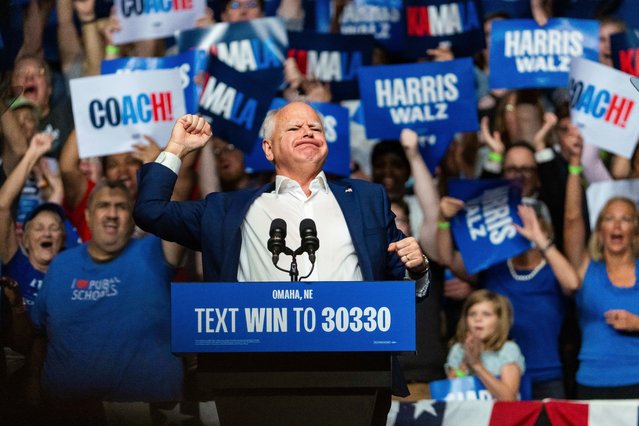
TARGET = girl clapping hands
x,y
482,347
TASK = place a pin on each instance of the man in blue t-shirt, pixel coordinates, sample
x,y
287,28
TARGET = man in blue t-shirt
x,y
105,309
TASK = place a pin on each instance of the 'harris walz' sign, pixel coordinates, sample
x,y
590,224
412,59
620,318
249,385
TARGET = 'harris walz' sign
x,y
484,230
435,97
528,55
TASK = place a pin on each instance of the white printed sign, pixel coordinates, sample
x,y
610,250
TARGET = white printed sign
x,y
604,106
149,19
112,112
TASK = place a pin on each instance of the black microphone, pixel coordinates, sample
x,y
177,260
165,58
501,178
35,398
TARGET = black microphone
x,y
277,243
308,234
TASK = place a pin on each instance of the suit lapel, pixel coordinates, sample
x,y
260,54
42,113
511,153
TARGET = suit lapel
x,y
351,209
240,203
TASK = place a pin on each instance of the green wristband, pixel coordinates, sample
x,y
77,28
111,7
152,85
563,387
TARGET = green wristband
x,y
459,372
495,156
575,170
443,225
111,49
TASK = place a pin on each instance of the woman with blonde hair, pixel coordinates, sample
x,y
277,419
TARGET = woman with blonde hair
x,y
607,295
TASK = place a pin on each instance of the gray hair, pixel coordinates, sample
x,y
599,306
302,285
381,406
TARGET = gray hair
x,y
268,126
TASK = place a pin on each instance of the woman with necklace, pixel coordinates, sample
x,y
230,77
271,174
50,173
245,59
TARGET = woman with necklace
x,y
533,283
608,297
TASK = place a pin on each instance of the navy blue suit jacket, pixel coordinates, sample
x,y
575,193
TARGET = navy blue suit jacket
x,y
213,224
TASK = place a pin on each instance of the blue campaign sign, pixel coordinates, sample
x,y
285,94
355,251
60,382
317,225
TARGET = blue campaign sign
x,y
293,316
527,55
190,64
624,48
433,149
459,389
332,58
457,24
428,97
381,18
255,160
483,230
255,47
235,103
270,7
336,128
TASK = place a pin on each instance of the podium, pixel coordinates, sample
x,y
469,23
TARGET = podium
x,y
295,353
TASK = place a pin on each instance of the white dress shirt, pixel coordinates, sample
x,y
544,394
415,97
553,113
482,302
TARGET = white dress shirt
x,y
336,259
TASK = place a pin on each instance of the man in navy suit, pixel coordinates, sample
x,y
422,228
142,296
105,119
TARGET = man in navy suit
x,y
359,240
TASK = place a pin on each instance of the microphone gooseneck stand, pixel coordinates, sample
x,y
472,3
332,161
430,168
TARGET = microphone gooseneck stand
x,y
293,272
277,244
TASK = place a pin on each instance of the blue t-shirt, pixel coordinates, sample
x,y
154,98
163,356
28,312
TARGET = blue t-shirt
x,y
29,278
108,326
539,309
607,357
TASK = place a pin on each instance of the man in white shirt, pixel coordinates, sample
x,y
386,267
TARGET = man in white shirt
x,y
354,221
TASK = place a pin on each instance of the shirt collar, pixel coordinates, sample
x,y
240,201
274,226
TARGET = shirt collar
x,y
284,184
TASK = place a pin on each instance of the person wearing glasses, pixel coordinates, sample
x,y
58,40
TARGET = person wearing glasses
x,y
541,167
532,281
290,11
242,10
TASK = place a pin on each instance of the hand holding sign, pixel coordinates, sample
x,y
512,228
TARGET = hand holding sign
x,y
493,140
111,27
189,133
408,139
40,144
440,53
539,140
539,11
573,144
531,228
450,206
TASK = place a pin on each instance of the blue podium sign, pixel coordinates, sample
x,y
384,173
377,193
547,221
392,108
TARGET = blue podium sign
x,y
293,317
